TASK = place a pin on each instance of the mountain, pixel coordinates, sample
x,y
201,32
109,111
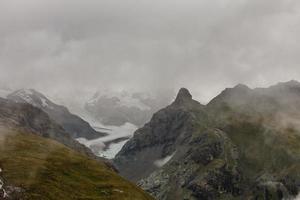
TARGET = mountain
x,y
39,160
73,124
33,119
118,108
244,144
33,167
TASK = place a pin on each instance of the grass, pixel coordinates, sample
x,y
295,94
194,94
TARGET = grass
x,y
48,170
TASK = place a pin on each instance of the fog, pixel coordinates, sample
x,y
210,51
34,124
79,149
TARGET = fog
x,y
70,48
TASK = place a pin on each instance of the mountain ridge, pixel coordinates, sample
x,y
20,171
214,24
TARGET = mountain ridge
x,y
221,150
73,124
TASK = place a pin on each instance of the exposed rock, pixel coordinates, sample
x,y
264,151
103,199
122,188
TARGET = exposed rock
x,y
183,96
220,149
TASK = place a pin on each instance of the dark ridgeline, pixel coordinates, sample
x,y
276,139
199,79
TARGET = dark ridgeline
x,y
244,144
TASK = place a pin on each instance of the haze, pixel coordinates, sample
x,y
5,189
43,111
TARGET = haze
x,y
71,47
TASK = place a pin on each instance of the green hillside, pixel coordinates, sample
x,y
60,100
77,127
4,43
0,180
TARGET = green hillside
x,y
37,168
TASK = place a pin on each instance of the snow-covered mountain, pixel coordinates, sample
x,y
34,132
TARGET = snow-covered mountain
x,y
119,114
105,122
125,107
73,124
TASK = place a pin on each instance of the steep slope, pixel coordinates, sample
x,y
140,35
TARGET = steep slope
x,y
245,144
28,117
160,138
73,124
33,167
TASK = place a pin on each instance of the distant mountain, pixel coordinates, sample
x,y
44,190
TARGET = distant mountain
x,y
73,124
34,163
32,119
119,108
245,144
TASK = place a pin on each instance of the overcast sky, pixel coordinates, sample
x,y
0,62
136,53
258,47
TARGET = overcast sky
x,y
65,46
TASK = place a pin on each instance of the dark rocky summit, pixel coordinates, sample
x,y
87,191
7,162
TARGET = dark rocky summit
x,y
245,144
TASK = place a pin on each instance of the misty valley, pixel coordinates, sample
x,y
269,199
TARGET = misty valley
x,y
149,100
243,144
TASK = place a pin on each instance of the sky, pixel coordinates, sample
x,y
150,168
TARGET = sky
x,y
74,47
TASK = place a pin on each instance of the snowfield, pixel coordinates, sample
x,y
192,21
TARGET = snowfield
x,y
108,146
125,99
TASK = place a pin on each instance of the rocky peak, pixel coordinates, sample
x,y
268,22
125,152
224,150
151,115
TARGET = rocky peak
x,y
183,96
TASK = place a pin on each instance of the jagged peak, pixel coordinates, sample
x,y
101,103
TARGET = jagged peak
x,y
184,99
183,96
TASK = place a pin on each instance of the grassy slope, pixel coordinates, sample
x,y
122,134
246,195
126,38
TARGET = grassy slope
x,y
49,170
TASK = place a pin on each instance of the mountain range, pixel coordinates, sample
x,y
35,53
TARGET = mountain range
x,y
40,160
244,144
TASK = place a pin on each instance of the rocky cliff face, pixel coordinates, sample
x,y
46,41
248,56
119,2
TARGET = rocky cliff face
x,y
245,144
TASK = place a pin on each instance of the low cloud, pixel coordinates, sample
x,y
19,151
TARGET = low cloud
x,y
61,47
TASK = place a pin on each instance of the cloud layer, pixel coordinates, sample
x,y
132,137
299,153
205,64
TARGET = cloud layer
x,y
65,46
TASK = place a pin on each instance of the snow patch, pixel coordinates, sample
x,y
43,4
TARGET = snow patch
x,y
163,161
25,94
125,99
30,97
28,91
44,102
114,132
112,150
